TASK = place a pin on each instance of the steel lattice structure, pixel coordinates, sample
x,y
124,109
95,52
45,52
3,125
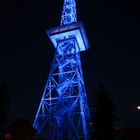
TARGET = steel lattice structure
x,y
64,103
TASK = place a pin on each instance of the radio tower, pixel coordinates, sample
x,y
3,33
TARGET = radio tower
x,y
64,106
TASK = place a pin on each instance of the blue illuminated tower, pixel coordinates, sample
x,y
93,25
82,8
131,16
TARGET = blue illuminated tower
x,y
64,106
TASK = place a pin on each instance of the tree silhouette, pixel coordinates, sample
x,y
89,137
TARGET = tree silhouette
x,y
4,109
103,115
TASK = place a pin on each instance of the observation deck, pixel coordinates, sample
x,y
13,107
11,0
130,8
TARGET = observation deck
x,y
74,31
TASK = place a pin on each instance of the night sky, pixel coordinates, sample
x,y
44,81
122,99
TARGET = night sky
x,y
113,30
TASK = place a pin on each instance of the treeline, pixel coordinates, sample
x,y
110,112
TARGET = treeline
x,y
103,117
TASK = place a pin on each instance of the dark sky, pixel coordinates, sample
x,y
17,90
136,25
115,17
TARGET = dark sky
x,y
113,29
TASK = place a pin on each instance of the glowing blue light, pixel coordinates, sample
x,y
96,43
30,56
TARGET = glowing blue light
x,y
68,12
73,31
64,102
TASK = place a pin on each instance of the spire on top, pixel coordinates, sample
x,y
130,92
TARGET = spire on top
x,y
69,12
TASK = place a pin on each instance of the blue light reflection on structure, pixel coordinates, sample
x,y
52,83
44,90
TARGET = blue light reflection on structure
x,y
69,12
64,102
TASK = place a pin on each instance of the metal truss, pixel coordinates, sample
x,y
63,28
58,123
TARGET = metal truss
x,y
68,12
64,105
64,102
